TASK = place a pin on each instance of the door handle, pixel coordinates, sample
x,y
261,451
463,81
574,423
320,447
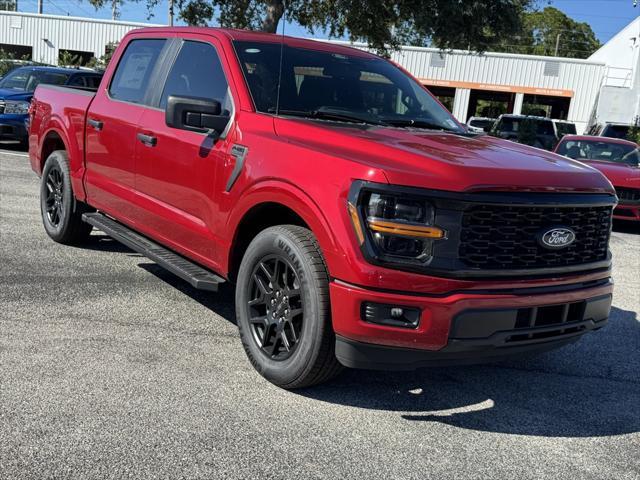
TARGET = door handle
x,y
96,124
148,140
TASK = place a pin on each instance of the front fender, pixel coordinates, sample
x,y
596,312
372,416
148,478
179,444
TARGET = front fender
x,y
294,198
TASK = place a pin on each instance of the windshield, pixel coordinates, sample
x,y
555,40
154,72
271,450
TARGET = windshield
x,y
597,150
481,123
565,128
513,125
336,86
27,79
616,131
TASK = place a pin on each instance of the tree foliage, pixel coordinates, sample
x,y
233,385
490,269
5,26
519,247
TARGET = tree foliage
x,y
8,5
474,24
102,62
539,35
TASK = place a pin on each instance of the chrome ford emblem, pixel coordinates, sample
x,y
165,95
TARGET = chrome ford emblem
x,y
557,238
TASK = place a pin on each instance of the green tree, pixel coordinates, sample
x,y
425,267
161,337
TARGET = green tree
x,y
633,134
103,62
67,59
474,24
8,5
544,29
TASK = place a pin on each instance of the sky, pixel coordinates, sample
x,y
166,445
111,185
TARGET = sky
x,y
606,17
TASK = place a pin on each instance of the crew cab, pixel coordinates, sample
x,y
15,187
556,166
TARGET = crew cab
x,y
361,224
618,160
16,91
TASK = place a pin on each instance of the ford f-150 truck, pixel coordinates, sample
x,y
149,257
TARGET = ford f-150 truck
x,y
361,224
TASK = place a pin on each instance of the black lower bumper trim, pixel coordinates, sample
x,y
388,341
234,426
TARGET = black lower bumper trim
x,y
367,356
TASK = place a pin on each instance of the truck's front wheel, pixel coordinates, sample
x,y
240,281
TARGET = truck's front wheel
x,y
283,311
61,212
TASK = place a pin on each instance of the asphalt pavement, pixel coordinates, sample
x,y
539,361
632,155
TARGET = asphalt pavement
x,y
110,367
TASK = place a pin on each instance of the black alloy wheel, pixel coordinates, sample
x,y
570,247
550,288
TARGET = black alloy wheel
x,y
61,211
276,310
54,200
283,308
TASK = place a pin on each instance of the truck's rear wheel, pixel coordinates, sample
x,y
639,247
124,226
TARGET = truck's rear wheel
x,y
282,308
61,212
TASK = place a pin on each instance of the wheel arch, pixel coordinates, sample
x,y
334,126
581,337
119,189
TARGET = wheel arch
x,y
272,205
56,138
52,141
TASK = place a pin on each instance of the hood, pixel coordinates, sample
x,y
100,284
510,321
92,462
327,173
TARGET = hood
x,y
436,160
10,94
620,175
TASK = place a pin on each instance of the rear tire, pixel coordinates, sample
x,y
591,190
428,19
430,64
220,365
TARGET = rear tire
x,y
61,212
283,309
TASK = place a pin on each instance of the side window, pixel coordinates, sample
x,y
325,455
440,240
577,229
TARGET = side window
x,y
77,81
197,72
134,70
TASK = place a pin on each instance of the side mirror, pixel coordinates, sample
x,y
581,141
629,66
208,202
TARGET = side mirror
x,y
195,114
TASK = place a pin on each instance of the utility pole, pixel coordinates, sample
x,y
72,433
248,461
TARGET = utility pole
x,y
171,13
557,44
114,9
40,2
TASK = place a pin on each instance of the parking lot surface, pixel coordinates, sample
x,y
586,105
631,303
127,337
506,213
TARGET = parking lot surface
x,y
111,367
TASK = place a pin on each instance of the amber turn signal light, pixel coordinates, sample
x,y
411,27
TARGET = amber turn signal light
x,y
404,229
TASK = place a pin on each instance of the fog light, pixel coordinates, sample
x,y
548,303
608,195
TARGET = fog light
x,y
390,315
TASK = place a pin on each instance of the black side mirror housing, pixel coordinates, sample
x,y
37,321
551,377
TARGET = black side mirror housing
x,y
195,114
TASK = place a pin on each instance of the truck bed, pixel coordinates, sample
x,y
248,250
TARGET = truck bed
x,y
65,110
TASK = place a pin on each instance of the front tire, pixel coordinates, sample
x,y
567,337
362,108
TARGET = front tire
x,y
61,212
283,310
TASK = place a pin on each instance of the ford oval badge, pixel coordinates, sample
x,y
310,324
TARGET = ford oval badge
x,y
559,237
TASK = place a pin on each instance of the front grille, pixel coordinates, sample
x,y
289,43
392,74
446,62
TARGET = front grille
x,y
496,237
628,194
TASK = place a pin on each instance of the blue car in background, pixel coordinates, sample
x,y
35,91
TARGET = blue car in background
x,y
16,91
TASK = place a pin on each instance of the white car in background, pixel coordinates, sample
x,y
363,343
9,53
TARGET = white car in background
x,y
480,124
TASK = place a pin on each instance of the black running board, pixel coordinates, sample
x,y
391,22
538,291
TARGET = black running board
x,y
197,276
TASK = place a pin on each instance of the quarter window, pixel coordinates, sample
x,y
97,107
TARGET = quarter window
x,y
197,72
134,70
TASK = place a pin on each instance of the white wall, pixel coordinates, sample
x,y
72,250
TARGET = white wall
x,y
620,54
582,77
47,34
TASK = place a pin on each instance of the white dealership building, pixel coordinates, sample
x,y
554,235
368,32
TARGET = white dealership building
x,y
601,88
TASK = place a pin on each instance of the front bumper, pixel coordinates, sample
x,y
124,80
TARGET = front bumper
x,y
627,212
465,327
13,127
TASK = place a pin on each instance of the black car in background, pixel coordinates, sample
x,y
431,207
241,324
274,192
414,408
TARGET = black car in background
x,y
538,132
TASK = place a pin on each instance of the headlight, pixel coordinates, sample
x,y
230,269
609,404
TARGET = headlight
x,y
16,108
395,228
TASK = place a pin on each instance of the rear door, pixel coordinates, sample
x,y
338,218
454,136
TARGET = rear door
x,y
112,125
177,170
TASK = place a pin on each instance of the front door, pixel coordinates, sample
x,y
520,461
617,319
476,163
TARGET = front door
x,y
176,169
112,125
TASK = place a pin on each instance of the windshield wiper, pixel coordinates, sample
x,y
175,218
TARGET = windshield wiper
x,y
410,122
324,113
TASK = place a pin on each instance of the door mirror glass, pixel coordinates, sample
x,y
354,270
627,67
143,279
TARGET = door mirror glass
x,y
195,114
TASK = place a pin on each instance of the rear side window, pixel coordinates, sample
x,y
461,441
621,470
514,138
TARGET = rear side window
x,y
134,70
197,72
86,81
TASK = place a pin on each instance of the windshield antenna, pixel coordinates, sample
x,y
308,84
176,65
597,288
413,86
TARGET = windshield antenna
x,y
284,22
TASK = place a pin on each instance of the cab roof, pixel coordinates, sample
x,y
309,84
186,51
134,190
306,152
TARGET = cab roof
x,y
235,34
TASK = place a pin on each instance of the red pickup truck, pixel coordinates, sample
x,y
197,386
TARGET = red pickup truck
x,y
362,225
